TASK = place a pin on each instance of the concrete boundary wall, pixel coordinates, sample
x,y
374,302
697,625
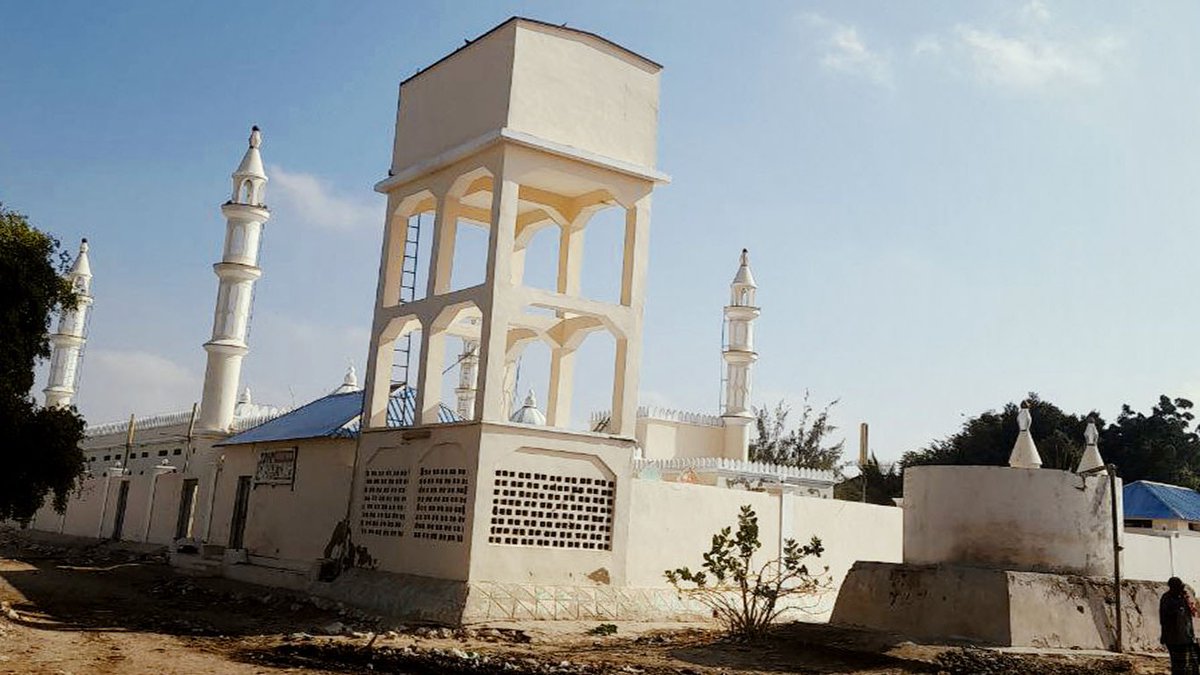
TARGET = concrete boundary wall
x,y
1157,556
673,525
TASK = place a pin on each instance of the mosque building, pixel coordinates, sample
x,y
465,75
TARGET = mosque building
x,y
471,502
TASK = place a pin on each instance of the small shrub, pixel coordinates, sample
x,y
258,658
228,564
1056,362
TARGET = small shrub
x,y
747,601
603,629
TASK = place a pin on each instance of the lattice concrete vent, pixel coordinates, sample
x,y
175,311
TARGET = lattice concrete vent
x,y
551,511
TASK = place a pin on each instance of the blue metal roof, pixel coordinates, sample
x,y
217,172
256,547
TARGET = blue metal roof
x,y
333,416
1147,499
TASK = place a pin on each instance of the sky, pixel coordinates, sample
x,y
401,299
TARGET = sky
x,y
947,204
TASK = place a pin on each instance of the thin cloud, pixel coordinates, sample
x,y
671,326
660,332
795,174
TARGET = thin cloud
x,y
927,45
308,199
1032,62
115,383
1033,54
843,50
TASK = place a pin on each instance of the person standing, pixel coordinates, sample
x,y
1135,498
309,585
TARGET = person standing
x,y
1175,613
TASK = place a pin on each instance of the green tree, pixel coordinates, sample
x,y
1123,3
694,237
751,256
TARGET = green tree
x,y
882,485
989,437
40,447
1161,446
806,445
746,597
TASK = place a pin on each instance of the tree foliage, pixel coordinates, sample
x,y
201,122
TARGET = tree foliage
x,y
881,485
745,597
1160,446
989,437
806,445
39,447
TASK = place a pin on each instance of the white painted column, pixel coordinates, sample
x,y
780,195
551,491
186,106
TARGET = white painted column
x,y
489,403
628,361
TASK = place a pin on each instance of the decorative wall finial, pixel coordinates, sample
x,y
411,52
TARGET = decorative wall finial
x,y
1024,453
1091,459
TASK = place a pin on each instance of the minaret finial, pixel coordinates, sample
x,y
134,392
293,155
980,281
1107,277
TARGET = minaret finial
x,y
255,136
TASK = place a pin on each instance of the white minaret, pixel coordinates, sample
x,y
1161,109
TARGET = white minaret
x,y
739,356
245,215
468,365
66,343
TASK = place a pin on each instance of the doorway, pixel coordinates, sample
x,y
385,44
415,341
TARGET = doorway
x,y
241,504
187,507
122,500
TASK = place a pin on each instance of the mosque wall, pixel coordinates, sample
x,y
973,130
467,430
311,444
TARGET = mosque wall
x,y
83,510
164,515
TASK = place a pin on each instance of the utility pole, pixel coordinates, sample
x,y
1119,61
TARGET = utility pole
x,y
863,444
187,449
128,441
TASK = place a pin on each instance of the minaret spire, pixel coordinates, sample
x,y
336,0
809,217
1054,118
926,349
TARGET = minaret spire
x,y
468,365
245,215
739,356
66,343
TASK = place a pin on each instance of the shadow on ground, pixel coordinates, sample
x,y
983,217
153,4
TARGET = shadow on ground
x,y
102,587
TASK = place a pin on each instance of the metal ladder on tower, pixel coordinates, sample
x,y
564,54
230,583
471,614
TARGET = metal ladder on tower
x,y
402,356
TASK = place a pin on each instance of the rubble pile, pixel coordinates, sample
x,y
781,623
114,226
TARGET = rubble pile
x,y
422,661
969,661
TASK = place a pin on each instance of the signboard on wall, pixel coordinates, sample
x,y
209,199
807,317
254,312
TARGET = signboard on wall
x,y
276,467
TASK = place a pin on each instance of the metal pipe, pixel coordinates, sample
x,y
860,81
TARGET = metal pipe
x,y
1116,542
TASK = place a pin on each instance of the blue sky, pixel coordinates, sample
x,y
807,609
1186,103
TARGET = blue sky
x,y
947,204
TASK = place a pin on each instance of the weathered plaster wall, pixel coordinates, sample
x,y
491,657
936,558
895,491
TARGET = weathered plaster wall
x,y
991,606
293,522
1018,519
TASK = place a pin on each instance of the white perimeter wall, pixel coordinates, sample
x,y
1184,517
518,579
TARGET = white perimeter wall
x,y
672,525
1159,556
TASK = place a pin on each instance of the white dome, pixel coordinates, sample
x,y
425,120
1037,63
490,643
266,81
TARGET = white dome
x,y
529,413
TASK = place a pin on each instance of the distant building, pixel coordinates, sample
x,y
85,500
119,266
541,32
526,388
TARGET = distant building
x,y
1158,506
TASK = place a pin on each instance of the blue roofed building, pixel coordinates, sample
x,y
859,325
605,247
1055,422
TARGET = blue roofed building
x,y
1158,506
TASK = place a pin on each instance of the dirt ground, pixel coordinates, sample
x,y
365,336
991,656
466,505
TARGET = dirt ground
x,y
75,608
